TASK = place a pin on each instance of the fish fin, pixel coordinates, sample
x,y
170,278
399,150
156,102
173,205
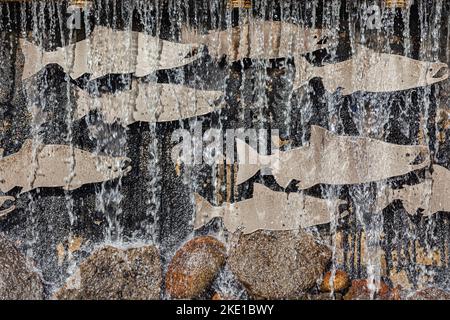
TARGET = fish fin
x,y
34,57
304,72
343,214
410,203
248,167
204,211
411,206
345,91
26,189
302,185
317,133
331,87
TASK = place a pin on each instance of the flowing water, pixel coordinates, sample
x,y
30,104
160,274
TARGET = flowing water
x,y
154,203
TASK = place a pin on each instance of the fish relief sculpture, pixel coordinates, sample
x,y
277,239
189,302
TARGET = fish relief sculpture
x,y
333,159
258,39
54,168
269,210
149,102
109,51
370,71
431,196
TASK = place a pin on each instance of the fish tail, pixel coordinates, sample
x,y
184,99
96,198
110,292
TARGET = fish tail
x,y
304,72
401,195
33,58
248,160
204,211
83,104
410,207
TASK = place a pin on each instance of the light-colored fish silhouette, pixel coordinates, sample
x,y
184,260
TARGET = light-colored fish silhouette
x,y
258,39
432,195
54,168
269,210
149,102
370,71
333,159
109,51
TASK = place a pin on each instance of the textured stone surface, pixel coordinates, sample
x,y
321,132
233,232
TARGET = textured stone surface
x,y
359,290
194,267
111,273
430,294
340,281
17,279
278,264
154,201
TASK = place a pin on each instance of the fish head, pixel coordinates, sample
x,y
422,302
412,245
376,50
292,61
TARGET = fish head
x,y
436,72
114,167
415,156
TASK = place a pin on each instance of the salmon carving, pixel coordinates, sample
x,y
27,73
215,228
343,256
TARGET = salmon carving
x,y
258,39
149,102
269,210
430,196
371,71
109,51
54,168
333,159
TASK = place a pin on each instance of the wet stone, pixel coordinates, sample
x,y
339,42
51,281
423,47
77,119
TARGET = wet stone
x,y
194,267
18,280
278,264
112,273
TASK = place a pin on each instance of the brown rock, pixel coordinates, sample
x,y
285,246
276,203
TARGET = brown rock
x,y
359,290
111,273
340,281
194,267
216,296
18,281
430,294
278,264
